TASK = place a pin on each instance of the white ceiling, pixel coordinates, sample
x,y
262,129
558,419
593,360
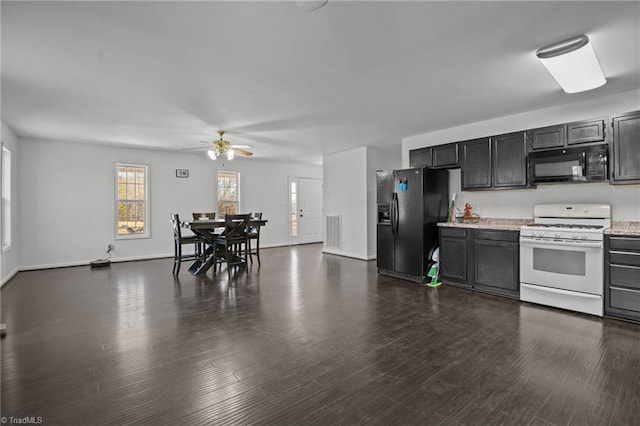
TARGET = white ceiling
x,y
294,85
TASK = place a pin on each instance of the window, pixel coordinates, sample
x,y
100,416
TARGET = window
x,y
131,201
6,199
228,193
294,210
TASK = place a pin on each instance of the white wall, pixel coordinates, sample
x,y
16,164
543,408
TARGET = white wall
x,y
67,199
9,260
350,191
345,193
378,158
625,200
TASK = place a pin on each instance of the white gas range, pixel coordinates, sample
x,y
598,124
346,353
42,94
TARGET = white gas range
x,y
561,256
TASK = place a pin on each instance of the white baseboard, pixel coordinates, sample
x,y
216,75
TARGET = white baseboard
x,y
264,246
113,260
146,257
8,277
345,254
86,262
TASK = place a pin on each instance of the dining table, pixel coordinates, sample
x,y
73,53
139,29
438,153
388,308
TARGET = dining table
x,y
207,228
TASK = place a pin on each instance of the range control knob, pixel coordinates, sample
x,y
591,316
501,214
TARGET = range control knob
x,y
557,235
583,236
575,236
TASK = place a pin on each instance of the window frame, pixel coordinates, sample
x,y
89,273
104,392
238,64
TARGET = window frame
x,y
218,191
147,203
5,199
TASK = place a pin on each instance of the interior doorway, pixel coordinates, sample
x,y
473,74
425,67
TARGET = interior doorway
x,y
305,208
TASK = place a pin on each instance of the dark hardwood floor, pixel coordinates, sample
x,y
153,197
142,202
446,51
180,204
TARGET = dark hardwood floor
x,y
307,338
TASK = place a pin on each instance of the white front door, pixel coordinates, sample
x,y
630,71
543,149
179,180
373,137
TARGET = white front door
x,y
309,210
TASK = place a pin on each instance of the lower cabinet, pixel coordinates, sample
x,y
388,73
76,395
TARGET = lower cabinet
x,y
482,259
496,262
622,277
453,256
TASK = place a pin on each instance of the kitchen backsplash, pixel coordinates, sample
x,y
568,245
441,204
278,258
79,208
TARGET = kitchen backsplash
x,y
624,199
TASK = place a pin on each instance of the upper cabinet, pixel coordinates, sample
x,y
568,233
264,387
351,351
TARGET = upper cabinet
x,y
445,156
626,148
420,157
549,137
509,160
500,162
587,131
476,164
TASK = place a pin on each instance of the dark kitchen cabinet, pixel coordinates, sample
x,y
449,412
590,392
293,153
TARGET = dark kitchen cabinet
x,y
496,262
420,157
586,131
453,256
549,137
499,162
476,164
486,260
445,156
509,160
622,277
561,135
626,148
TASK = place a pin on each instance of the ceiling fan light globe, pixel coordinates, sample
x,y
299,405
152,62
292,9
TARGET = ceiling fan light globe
x,y
230,154
212,154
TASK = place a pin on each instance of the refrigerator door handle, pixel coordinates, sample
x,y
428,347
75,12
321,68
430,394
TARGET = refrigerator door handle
x,y
392,215
397,212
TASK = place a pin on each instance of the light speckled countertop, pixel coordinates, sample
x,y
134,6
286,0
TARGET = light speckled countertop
x,y
491,223
624,228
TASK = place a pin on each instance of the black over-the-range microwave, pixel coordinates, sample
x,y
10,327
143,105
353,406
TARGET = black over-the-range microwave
x,y
574,164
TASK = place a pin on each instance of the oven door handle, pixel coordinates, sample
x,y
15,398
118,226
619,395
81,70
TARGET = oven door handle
x,y
525,240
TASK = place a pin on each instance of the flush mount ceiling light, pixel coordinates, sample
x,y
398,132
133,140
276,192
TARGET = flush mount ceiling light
x,y
309,5
573,64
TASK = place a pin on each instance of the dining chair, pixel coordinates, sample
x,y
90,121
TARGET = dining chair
x,y
232,247
254,235
210,216
179,240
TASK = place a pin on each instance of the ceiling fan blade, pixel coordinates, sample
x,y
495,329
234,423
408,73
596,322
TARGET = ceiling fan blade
x,y
242,146
242,152
194,148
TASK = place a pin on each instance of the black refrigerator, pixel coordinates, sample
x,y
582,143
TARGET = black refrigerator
x,y
411,202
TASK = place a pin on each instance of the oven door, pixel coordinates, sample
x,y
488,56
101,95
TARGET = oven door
x,y
573,266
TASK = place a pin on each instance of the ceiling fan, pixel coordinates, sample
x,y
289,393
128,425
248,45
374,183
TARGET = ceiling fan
x,y
222,147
